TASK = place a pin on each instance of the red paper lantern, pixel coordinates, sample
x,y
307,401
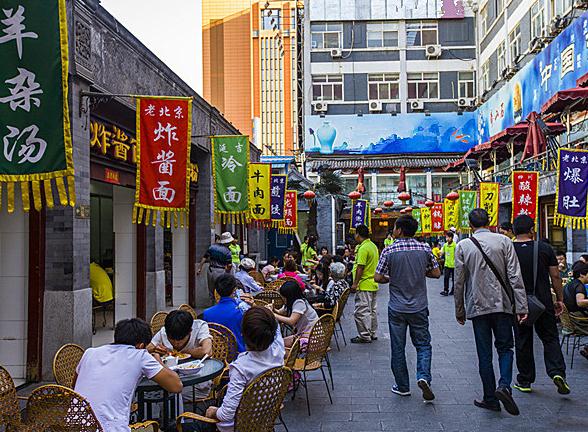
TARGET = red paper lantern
x,y
388,203
408,209
452,196
404,196
378,210
429,203
354,195
309,195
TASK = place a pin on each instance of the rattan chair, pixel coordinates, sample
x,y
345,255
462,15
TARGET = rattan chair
x,y
259,302
187,308
580,324
341,308
257,277
9,408
233,349
158,321
316,354
146,426
293,354
271,297
65,362
567,328
260,403
277,284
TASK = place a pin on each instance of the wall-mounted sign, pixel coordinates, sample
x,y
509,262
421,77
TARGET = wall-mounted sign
x,y
111,176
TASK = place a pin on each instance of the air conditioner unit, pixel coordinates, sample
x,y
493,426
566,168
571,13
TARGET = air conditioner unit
x,y
465,102
433,51
320,106
336,53
535,45
509,72
417,105
375,106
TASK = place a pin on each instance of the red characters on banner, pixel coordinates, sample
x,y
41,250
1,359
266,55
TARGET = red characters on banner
x,y
525,192
290,223
437,222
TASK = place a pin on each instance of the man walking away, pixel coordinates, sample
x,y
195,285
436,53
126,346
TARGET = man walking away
x,y
448,253
539,265
489,289
405,266
366,289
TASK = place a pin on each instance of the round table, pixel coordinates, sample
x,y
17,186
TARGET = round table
x,y
211,369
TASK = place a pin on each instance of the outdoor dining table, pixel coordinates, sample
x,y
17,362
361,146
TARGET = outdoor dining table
x,y
211,369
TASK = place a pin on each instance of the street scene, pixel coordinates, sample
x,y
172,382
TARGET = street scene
x,y
282,215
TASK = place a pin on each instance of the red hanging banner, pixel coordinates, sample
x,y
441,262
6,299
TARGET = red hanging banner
x,y
290,222
164,134
437,222
525,193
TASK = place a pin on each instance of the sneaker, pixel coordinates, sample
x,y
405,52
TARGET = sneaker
x,y
360,340
561,384
504,395
451,292
374,338
444,293
395,390
524,387
428,395
488,406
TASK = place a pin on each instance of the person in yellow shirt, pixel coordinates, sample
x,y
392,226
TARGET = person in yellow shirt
x,y
448,254
100,284
388,240
235,249
436,250
366,289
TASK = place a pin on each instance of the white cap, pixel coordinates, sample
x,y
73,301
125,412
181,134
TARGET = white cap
x,y
248,264
226,237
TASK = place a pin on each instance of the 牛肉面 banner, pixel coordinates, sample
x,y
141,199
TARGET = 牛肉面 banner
x,y
489,201
34,115
259,192
525,193
164,134
290,223
572,189
278,198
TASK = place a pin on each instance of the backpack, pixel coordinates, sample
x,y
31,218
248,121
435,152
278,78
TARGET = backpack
x,y
569,296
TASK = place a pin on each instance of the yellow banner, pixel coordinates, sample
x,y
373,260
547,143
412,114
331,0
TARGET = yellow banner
x,y
489,194
426,220
450,213
259,192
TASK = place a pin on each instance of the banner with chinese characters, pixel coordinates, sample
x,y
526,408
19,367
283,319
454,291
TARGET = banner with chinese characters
x,y
572,189
467,202
416,213
290,223
230,162
164,135
278,198
437,219
426,222
525,193
450,213
489,201
34,114
360,210
259,192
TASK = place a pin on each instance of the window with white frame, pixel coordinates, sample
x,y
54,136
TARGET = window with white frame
x,y
561,7
498,7
327,87
465,85
537,19
485,76
501,58
422,33
423,85
326,35
484,19
383,86
382,35
514,43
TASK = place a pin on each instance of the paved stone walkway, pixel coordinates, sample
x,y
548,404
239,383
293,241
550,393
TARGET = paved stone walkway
x,y
363,402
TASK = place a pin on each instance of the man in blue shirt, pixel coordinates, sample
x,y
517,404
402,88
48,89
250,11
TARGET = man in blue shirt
x,y
227,311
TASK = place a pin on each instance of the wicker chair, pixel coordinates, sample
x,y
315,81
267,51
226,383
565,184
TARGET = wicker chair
x,y
260,403
233,349
293,354
146,426
316,354
9,408
257,277
271,297
65,362
567,328
187,308
277,284
259,302
580,325
158,321
341,303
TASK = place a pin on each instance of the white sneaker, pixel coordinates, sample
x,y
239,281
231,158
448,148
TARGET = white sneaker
x,y
395,390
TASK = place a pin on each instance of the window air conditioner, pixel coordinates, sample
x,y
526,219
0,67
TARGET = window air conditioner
x,y
375,106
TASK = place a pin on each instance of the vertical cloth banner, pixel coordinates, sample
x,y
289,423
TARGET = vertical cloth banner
x,y
416,214
572,189
34,113
230,162
290,223
467,202
437,219
164,135
278,197
489,201
259,192
359,213
426,222
451,213
525,194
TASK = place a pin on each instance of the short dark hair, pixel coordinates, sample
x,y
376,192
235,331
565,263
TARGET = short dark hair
x,y
449,234
506,225
259,328
560,253
290,266
584,257
523,224
479,218
178,324
273,259
407,225
225,284
132,331
338,258
340,251
579,268
363,231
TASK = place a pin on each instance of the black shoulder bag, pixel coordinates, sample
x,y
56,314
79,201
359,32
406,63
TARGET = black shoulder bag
x,y
536,308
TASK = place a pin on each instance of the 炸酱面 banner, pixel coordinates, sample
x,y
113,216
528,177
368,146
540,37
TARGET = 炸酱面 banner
x,y
426,221
489,201
572,188
467,202
259,192
416,214
34,114
230,162
164,134
437,218
525,193
278,198
290,223
359,213
450,213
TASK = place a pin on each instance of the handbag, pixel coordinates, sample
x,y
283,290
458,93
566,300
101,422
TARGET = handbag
x,y
535,306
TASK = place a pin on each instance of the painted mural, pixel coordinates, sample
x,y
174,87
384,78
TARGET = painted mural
x,y
386,134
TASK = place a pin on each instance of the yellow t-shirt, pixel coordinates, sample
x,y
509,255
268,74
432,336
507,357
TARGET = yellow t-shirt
x,y
100,284
437,252
388,242
367,255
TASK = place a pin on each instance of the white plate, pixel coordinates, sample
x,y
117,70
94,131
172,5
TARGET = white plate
x,y
189,367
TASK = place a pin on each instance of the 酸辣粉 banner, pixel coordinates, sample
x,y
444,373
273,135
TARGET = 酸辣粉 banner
x,y
525,194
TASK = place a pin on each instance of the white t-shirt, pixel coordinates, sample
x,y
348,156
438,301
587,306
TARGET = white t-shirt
x,y
308,318
199,333
108,377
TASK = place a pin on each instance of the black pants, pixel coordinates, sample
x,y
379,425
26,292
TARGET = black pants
x,y
546,328
448,273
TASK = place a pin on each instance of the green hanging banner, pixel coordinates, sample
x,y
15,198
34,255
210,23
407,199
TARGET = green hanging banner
x,y
416,213
467,202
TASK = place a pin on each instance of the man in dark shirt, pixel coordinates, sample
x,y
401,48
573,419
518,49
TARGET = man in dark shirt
x,y
546,325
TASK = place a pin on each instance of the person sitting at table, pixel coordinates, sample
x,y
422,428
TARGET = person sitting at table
x,y
270,269
576,299
296,313
181,334
107,376
337,284
101,284
249,284
290,270
227,311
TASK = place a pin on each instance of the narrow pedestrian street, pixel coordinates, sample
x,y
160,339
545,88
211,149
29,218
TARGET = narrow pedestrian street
x,y
363,401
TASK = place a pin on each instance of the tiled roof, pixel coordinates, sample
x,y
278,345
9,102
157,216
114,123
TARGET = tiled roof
x,y
389,162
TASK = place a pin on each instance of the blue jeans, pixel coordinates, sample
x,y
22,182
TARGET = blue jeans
x,y
418,325
501,326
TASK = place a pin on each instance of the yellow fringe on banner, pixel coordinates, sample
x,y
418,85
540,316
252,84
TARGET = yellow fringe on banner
x,y
182,214
168,219
176,220
48,193
134,217
71,189
186,220
59,181
26,203
10,197
37,195
141,214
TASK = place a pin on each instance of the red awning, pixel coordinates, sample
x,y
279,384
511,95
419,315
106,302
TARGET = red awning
x,y
576,99
582,81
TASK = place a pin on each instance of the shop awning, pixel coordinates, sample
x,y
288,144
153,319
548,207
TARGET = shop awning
x,y
575,99
350,162
582,81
